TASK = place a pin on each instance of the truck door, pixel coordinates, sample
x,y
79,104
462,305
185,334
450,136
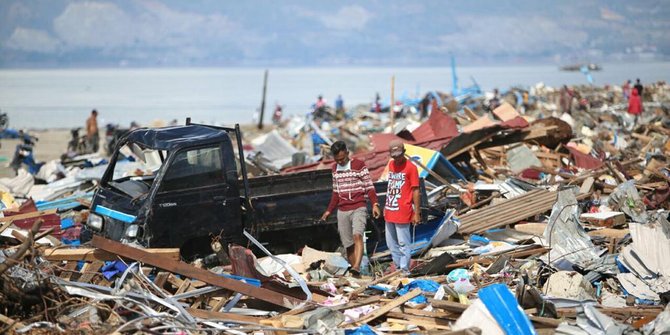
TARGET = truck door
x,y
194,201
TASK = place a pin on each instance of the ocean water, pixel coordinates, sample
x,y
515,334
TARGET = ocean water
x,y
64,98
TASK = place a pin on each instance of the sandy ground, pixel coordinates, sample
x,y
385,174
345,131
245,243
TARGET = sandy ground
x,y
51,145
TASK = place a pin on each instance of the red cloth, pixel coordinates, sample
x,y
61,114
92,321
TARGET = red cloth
x,y
351,186
531,173
635,103
585,161
402,179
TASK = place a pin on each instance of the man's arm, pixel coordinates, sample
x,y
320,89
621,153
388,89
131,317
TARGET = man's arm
x,y
334,199
416,198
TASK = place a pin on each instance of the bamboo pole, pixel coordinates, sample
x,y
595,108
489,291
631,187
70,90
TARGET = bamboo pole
x,y
392,102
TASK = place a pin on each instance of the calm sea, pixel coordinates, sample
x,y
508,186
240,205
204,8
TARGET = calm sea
x,y
64,98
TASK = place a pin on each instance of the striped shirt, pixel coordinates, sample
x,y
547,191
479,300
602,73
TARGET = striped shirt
x,y
351,186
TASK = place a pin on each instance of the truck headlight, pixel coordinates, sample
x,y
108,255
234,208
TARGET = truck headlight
x,y
131,231
95,221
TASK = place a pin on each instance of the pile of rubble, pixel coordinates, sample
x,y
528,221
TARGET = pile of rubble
x,y
539,222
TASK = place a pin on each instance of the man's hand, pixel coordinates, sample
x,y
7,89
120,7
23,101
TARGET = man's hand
x,y
376,212
416,218
325,216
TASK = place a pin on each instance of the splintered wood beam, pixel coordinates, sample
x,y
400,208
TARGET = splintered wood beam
x,y
27,215
191,271
92,254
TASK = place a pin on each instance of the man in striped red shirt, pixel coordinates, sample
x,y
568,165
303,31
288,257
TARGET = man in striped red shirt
x,y
351,186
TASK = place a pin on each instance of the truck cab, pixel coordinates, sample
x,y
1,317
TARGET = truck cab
x,y
170,187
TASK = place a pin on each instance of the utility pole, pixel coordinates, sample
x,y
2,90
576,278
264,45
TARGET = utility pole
x,y
265,87
391,111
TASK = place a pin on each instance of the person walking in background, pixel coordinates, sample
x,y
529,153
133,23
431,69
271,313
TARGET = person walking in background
x,y
626,89
277,114
377,107
351,184
639,87
339,107
402,206
565,100
495,100
635,105
92,134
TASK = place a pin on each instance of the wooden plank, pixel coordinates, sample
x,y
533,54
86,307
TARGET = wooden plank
x,y
544,321
27,215
425,323
610,233
89,270
174,281
431,314
184,287
388,307
220,303
231,317
637,311
471,115
161,278
93,254
642,138
193,272
449,306
177,282
587,185
505,112
9,321
532,228
19,236
68,270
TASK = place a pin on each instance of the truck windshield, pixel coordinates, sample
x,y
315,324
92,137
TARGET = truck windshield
x,y
135,169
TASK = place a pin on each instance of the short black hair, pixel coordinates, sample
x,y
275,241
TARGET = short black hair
x,y
337,147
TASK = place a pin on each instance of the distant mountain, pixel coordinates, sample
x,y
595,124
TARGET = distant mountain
x,y
154,33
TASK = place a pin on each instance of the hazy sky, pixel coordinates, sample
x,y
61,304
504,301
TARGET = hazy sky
x,y
70,33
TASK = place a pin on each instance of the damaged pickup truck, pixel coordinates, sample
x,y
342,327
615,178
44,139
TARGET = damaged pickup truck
x,y
183,187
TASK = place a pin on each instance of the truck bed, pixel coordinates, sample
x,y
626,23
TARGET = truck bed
x,y
294,200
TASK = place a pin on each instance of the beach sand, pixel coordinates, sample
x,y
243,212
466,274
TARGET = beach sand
x,y
51,145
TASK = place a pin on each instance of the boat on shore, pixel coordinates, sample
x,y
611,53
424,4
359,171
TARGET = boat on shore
x,y
578,67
